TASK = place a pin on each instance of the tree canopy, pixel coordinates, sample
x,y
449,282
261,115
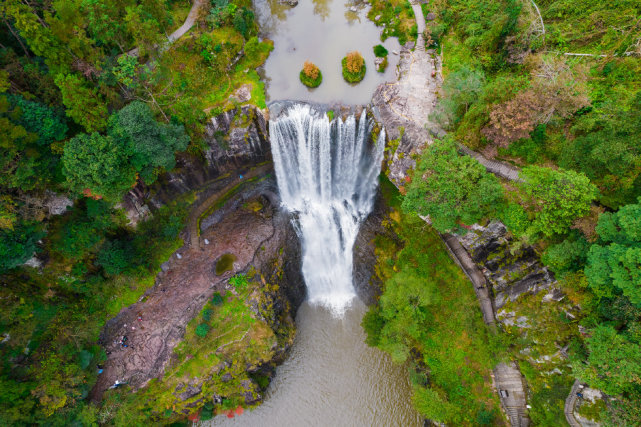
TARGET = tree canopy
x,y
451,188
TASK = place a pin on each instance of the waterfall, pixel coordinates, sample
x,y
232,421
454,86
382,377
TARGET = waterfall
x,y
327,177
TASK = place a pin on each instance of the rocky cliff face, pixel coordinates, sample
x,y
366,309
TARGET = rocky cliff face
x,y
235,140
368,285
512,270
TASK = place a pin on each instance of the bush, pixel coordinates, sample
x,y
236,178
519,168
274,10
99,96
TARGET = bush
x,y
311,75
380,51
354,67
217,299
202,329
382,66
239,282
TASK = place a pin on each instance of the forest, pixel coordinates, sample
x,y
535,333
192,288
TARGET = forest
x,y
552,89
96,99
93,101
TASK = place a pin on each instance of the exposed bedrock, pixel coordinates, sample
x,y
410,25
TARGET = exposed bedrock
x,y
511,270
260,237
367,284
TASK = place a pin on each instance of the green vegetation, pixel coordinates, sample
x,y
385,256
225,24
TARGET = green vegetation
x,y
522,95
450,188
222,344
311,75
428,315
398,18
93,101
354,68
380,51
54,317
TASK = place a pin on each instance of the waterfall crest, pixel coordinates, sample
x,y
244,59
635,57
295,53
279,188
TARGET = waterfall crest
x,y
327,176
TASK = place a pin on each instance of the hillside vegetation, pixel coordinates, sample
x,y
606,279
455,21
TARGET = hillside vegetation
x,y
559,96
94,100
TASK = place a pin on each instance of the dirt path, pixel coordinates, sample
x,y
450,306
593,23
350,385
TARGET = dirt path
x,y
182,30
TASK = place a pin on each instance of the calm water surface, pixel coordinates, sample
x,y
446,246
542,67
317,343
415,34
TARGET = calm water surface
x,y
332,378
321,31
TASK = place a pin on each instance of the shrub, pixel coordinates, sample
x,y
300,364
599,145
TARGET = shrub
x,y
202,329
354,67
217,299
380,51
311,75
382,66
239,282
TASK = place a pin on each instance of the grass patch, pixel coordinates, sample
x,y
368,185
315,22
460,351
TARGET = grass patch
x,y
311,75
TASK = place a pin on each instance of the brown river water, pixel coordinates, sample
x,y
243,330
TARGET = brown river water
x,y
321,31
332,378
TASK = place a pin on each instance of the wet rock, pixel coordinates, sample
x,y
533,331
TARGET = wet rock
x,y
430,16
367,284
226,378
291,3
404,109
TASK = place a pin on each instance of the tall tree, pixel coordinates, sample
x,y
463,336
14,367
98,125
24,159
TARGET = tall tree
x,y
99,164
614,263
451,188
152,145
555,198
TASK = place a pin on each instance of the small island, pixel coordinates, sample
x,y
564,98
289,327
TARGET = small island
x,y
354,67
311,75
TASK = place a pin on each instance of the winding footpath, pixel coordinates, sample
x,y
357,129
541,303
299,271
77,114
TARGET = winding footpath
x,y
182,30
404,108
569,405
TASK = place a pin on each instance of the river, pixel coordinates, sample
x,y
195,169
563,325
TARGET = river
x,y
321,31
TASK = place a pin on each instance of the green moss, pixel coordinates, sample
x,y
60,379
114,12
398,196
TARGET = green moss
x,y
225,263
380,51
593,411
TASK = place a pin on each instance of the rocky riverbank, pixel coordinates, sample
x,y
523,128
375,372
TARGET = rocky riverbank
x,y
246,235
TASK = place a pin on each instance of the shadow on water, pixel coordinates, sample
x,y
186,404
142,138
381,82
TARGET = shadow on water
x,y
321,31
332,378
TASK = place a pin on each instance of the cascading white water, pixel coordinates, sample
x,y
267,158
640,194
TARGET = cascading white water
x,y
327,176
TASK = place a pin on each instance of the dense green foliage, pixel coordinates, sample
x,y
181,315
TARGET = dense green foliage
x,y
428,315
450,188
396,16
94,100
563,104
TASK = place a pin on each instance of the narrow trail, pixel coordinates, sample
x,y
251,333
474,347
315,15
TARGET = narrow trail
x,y
182,30
569,405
